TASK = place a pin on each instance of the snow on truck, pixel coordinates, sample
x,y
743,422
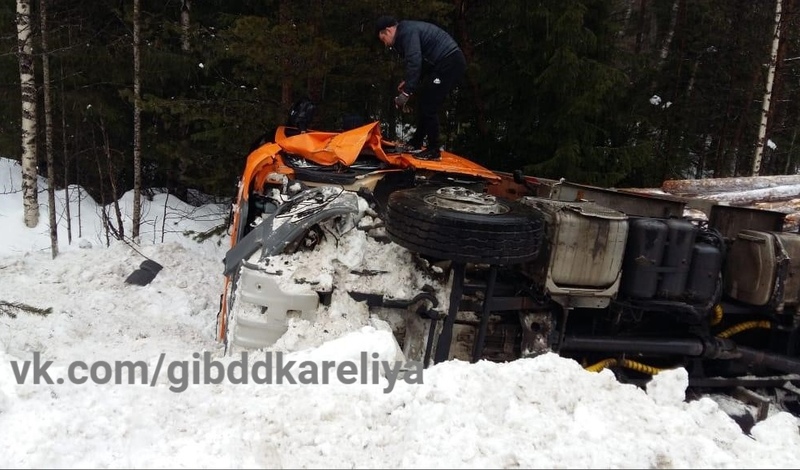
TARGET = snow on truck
x,y
503,266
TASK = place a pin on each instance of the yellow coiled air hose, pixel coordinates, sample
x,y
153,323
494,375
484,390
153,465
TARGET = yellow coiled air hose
x,y
637,366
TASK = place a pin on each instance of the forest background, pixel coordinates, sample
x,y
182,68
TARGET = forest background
x,y
606,92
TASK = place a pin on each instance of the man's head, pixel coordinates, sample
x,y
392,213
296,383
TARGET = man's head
x,y
385,27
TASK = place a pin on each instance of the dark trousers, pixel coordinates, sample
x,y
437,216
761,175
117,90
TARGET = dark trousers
x,y
434,88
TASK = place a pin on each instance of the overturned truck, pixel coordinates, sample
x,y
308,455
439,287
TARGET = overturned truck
x,y
610,278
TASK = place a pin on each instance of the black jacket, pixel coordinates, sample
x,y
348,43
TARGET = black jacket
x,y
418,41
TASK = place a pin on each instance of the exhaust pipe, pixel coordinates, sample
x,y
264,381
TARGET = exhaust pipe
x,y
711,348
786,364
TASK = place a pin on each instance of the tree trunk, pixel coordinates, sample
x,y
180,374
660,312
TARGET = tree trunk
x,y
723,136
66,163
692,77
186,8
30,195
103,209
781,93
640,32
48,133
79,169
788,169
118,233
670,34
137,129
765,106
727,164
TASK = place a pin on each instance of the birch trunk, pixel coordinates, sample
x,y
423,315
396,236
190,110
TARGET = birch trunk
x,y
48,133
137,128
773,62
30,196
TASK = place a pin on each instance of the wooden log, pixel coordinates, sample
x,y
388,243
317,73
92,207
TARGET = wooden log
x,y
791,205
719,185
749,197
792,222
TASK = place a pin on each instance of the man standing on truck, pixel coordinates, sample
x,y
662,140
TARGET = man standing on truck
x,y
434,65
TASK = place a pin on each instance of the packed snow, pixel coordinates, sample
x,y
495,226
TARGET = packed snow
x,y
531,413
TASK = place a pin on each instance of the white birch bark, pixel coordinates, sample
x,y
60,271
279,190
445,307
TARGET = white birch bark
x,y
765,105
30,196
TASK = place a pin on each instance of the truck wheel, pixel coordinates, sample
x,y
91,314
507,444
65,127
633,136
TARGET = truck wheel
x,y
459,224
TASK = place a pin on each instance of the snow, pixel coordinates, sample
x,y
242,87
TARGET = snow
x,y
540,412
655,100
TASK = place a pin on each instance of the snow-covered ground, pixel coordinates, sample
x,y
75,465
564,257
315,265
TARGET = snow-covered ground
x,y
532,413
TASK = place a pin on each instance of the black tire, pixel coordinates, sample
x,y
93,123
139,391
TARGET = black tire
x,y
457,224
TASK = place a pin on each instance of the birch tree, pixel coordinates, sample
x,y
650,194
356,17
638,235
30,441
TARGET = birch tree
x,y
48,126
30,197
765,105
137,127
